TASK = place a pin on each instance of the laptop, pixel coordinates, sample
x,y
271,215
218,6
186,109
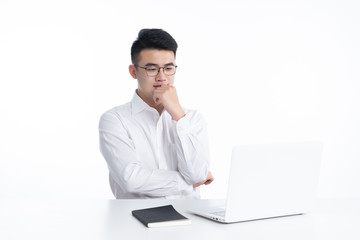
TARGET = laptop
x,y
269,180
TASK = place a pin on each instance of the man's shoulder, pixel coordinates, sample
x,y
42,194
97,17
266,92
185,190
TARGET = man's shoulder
x,y
118,111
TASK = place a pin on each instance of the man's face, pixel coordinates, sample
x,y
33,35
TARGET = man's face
x,y
148,58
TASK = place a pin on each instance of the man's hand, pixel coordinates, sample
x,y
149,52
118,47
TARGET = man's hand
x,y
209,179
167,96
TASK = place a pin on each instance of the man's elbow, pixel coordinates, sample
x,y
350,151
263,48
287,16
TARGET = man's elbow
x,y
195,177
129,187
132,183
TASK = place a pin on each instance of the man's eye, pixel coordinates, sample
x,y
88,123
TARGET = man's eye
x,y
151,69
169,68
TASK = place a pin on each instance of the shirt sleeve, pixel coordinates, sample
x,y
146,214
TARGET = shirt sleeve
x,y
192,147
118,150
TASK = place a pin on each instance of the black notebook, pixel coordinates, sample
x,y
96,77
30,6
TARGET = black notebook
x,y
160,217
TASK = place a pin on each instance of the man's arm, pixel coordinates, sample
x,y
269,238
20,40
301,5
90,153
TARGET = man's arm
x,y
191,141
192,148
127,170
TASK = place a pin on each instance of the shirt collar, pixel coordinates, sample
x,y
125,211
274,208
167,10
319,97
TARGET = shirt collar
x,y
137,104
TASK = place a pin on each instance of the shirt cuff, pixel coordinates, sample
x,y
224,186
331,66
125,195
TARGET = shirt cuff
x,y
182,126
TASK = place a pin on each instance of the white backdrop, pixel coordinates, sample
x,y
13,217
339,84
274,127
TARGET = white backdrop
x,y
260,71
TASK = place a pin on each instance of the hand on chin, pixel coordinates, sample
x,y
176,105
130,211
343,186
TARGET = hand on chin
x,y
158,92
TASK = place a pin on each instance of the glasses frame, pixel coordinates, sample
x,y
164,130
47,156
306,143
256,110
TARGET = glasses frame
x,y
159,68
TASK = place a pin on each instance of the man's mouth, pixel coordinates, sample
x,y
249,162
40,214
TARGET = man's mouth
x,y
157,85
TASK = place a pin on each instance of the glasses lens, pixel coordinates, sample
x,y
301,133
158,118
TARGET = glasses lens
x,y
169,70
153,71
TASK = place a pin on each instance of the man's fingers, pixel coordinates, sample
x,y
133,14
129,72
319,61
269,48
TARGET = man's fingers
x,y
209,178
156,99
159,92
208,182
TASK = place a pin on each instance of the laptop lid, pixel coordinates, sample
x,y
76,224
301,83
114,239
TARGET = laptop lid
x,y
272,180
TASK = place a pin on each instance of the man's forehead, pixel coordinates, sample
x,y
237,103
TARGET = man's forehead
x,y
157,56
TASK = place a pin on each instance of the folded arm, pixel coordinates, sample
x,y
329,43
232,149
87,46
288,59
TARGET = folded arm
x,y
126,169
192,149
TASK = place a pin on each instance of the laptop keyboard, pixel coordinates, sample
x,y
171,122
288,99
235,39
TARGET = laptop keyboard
x,y
221,213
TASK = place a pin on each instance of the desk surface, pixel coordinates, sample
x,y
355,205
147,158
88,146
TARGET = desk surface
x,y
112,219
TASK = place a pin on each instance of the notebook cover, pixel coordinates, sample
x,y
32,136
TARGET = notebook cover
x,y
160,216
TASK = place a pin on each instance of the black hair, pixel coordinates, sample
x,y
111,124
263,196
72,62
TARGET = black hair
x,y
152,39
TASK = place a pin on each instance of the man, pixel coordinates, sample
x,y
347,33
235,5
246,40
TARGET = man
x,y
153,147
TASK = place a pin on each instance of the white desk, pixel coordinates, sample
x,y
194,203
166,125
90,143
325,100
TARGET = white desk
x,y
112,219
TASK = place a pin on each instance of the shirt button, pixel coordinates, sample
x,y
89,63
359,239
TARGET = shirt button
x,y
183,192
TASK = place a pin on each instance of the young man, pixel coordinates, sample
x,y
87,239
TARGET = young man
x,y
153,147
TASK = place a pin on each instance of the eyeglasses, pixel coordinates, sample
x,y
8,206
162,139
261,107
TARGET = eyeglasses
x,y
153,71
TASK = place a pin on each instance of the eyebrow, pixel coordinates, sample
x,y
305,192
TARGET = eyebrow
x,y
154,64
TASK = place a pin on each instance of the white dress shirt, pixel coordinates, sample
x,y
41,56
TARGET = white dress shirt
x,y
150,155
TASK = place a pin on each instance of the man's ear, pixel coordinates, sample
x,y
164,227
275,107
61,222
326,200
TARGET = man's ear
x,y
132,71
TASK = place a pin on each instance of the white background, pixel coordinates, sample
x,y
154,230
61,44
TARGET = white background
x,y
260,71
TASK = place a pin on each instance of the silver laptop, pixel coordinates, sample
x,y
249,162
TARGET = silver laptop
x,y
269,180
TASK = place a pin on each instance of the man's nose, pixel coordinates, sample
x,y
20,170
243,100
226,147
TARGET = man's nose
x,y
161,75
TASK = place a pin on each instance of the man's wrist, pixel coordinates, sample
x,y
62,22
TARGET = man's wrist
x,y
177,118
178,114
